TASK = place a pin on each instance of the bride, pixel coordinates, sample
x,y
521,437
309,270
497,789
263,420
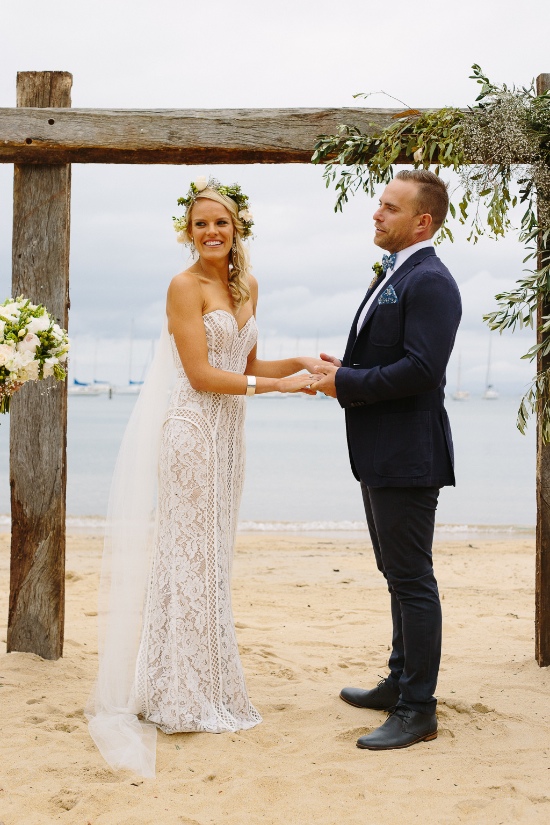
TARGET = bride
x,y
168,654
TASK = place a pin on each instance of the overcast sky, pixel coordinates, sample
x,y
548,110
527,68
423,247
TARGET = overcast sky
x,y
313,266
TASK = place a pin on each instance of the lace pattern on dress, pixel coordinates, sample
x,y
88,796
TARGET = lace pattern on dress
x,y
189,675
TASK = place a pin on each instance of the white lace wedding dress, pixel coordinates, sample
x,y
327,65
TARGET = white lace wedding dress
x,y
189,675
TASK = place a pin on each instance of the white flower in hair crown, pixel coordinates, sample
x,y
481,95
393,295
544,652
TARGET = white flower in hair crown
x,y
233,191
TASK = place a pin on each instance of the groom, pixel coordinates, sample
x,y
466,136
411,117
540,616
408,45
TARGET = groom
x,y
390,383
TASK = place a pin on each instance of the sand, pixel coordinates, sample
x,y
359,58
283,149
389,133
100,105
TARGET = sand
x,y
312,616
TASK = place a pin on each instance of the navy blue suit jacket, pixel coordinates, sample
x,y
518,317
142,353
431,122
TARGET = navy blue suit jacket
x,y
392,379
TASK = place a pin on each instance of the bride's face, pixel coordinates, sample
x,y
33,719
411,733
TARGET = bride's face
x,y
212,229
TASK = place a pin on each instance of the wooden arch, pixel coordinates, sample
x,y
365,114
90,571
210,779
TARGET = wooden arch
x,y
42,136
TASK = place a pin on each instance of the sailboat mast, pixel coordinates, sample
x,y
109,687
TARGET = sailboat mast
x,y
131,349
487,381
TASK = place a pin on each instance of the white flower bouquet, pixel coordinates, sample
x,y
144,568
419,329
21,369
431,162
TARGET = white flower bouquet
x,y
32,347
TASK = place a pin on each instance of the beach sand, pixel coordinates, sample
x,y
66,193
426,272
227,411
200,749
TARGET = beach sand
x,y
313,616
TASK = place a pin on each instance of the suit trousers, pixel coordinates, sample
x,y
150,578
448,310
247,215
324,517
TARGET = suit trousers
x,y
401,523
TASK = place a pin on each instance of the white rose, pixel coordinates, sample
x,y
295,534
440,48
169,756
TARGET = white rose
x,y
418,155
200,183
10,312
57,332
40,324
49,364
29,343
2,328
180,224
245,215
6,352
30,372
19,360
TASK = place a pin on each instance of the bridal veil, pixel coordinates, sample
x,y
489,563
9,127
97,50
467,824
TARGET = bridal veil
x,y
124,740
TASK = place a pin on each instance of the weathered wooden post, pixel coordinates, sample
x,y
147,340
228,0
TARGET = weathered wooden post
x,y
542,589
38,434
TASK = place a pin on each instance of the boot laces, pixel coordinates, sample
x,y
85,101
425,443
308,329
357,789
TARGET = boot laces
x,y
401,711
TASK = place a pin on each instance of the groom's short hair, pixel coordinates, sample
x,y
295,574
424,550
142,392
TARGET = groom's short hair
x,y
432,196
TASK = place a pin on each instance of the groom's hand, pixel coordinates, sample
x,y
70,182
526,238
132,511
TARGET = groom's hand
x,y
331,359
326,382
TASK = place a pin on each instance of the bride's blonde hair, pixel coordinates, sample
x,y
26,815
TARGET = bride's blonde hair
x,y
239,259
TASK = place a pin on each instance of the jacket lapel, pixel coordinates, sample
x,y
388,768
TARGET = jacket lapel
x,y
396,277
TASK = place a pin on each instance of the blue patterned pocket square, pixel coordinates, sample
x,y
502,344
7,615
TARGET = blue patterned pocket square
x,y
388,296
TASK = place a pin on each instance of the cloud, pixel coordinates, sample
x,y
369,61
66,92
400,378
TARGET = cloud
x,y
299,311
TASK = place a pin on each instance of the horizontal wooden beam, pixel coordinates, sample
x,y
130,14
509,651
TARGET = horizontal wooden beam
x,y
173,136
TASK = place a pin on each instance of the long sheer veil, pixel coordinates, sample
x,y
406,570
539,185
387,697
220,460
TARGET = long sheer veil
x,y
124,740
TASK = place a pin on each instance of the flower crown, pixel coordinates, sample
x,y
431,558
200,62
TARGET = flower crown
x,y
234,192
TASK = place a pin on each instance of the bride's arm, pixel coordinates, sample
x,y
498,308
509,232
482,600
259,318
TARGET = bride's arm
x,y
184,308
281,367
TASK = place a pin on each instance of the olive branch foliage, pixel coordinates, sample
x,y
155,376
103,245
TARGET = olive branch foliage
x,y
500,149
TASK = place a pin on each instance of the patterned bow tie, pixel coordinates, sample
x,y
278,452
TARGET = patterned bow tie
x,y
388,261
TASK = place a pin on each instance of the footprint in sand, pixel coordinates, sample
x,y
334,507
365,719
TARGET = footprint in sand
x,y
284,673
471,806
64,727
352,734
464,707
65,799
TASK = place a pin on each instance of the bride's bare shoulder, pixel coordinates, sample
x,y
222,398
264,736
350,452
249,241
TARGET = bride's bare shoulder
x,y
184,286
186,276
186,281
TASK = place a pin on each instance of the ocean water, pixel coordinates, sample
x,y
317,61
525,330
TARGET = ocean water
x,y
297,464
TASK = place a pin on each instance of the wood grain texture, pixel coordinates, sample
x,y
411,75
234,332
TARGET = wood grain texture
x,y
43,89
542,575
202,136
38,425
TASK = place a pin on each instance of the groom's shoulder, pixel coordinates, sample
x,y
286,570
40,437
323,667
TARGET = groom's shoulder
x,y
432,276
431,265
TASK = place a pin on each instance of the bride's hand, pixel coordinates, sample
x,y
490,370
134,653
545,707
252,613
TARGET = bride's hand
x,y
297,383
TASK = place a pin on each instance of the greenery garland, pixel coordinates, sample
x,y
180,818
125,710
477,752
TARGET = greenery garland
x,y
500,149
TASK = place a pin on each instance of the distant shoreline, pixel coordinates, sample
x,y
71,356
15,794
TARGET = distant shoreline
x,y
95,525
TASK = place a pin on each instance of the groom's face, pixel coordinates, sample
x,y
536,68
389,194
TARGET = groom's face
x,y
396,219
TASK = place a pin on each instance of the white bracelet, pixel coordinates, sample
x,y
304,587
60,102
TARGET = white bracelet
x,y
250,384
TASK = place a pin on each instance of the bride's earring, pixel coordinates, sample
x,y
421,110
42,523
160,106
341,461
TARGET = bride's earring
x,y
234,248
192,247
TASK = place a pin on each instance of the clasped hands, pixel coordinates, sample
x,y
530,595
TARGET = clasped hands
x,y
326,369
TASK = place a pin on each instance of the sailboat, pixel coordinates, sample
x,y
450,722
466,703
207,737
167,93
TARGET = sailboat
x,y
76,387
100,386
84,388
132,387
490,393
460,395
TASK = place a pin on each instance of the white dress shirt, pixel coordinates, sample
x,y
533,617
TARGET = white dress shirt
x,y
400,259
